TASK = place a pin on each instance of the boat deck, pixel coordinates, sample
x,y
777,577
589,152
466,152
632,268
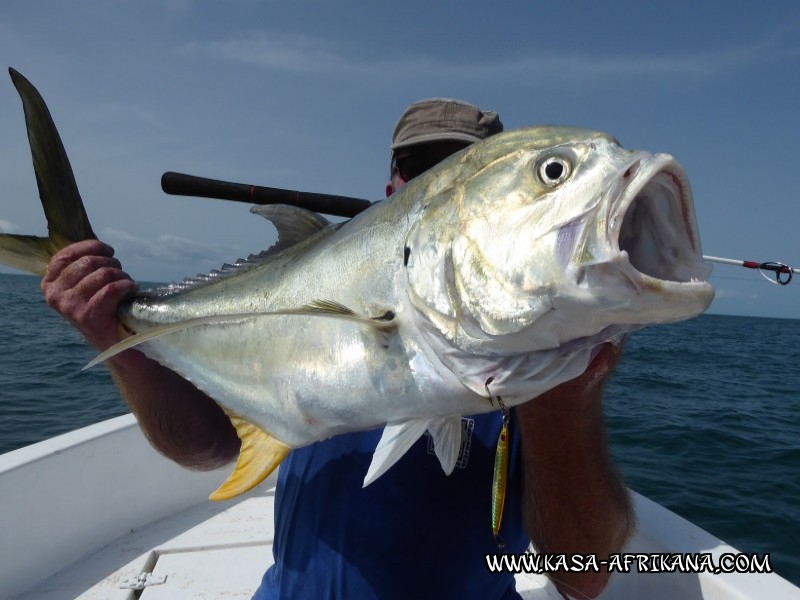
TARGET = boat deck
x,y
91,513
185,555
189,550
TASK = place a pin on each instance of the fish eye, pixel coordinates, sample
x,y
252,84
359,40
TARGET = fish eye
x,y
554,169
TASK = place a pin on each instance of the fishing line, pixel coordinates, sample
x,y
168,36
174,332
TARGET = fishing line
x,y
730,278
781,271
345,206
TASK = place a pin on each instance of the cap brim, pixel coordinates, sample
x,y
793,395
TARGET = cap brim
x,y
436,137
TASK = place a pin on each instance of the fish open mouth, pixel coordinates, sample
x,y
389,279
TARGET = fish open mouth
x,y
658,230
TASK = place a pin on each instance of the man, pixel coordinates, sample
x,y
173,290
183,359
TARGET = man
x,y
415,532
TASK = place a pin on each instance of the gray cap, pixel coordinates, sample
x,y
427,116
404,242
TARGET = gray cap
x,y
444,120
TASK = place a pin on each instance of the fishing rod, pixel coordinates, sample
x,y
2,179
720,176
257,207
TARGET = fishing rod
x,y
181,184
783,272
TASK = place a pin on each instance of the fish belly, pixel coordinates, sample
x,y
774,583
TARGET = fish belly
x,y
303,379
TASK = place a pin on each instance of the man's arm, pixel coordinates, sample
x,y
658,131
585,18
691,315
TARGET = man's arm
x,y
85,284
575,500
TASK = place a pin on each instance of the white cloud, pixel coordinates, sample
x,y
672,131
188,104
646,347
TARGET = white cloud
x,y
115,113
304,54
178,6
9,227
169,257
738,295
165,249
273,50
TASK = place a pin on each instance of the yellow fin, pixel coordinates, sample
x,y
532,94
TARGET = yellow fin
x,y
259,456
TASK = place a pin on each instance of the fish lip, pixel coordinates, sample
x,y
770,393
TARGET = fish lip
x,y
653,227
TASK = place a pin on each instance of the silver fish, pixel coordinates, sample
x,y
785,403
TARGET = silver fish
x,y
499,272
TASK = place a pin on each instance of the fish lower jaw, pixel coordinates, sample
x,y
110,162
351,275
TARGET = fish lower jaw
x,y
691,275
616,280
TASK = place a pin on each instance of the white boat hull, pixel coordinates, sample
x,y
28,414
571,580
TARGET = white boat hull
x,y
86,513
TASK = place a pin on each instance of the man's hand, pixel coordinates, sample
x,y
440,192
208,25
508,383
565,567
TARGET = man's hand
x,y
574,395
85,284
575,500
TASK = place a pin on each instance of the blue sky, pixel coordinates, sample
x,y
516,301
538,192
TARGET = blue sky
x,y
304,95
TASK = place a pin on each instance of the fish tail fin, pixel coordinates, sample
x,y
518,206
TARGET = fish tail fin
x,y
67,221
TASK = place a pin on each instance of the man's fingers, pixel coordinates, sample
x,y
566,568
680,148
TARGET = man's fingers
x,y
74,252
603,362
97,318
72,275
77,291
91,303
105,288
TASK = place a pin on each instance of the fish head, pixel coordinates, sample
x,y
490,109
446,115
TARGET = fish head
x,y
554,237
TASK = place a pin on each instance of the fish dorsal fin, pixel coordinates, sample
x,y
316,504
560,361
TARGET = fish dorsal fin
x,y
260,454
446,434
397,438
294,224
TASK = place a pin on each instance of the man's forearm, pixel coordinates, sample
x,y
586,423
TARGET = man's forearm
x,y
85,284
179,420
575,499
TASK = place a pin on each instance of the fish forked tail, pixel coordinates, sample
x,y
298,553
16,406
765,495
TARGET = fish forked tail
x,y
66,217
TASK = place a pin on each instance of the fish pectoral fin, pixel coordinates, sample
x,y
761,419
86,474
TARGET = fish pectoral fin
x,y
137,339
259,456
446,434
397,438
318,308
383,321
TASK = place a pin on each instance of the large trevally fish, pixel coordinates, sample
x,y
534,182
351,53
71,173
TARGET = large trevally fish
x,y
496,274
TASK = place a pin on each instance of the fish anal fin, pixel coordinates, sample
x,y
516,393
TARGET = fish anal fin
x,y
260,454
446,434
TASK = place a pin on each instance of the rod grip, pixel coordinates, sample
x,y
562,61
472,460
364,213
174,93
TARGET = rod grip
x,y
181,184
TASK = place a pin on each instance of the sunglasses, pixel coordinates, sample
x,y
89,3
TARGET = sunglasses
x,y
409,166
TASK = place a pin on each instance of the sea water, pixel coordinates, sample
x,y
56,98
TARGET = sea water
x,y
703,416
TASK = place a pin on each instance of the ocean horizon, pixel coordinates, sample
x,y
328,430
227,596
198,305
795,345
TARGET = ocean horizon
x,y
702,415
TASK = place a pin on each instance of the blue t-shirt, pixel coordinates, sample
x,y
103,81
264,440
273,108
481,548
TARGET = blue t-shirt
x,y
413,533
